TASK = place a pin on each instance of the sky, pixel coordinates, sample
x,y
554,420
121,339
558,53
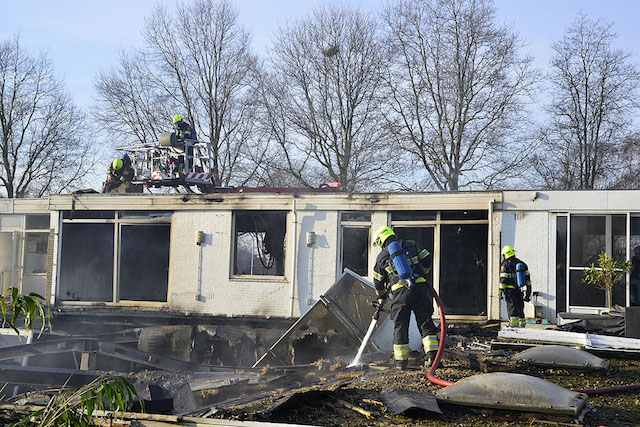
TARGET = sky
x,y
83,37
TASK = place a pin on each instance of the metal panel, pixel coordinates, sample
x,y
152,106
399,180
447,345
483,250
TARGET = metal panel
x,y
333,326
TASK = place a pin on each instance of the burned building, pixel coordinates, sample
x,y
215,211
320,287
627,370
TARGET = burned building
x,y
269,255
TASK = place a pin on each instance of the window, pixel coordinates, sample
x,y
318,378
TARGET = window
x,y
260,243
355,238
413,216
136,248
589,236
469,215
561,264
37,222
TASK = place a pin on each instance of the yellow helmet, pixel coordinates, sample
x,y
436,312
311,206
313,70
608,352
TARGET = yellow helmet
x,y
117,164
508,252
382,235
177,118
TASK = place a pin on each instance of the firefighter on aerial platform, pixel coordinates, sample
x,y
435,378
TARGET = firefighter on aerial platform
x,y
184,131
407,294
514,275
119,173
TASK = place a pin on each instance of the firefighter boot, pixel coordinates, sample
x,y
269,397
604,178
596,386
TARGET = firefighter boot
x,y
401,365
429,358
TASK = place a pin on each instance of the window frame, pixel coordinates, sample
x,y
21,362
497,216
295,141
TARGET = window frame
x,y
233,256
608,250
118,222
365,224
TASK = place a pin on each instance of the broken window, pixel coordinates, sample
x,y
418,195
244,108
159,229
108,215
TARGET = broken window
x,y
260,243
591,235
135,247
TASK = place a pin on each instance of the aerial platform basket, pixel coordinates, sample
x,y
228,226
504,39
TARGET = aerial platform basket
x,y
171,162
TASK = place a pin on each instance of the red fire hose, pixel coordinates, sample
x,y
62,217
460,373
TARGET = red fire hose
x,y
443,338
445,383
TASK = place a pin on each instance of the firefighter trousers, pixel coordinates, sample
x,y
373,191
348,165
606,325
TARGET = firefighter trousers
x,y
515,304
417,299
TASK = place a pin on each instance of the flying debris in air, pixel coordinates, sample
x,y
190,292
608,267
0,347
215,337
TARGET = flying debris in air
x,y
331,51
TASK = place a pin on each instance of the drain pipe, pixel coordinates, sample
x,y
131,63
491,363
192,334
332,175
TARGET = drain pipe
x,y
294,260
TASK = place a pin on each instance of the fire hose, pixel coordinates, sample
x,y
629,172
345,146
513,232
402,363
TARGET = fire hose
x,y
444,383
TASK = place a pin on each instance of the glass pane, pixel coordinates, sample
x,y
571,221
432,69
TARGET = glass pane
x,y
587,239
10,251
260,243
463,268
355,249
355,216
582,294
144,262
619,237
449,215
561,264
413,216
35,253
143,215
88,214
635,261
37,222
422,235
86,265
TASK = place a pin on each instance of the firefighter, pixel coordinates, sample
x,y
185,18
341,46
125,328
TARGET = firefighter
x,y
184,130
118,173
511,290
407,296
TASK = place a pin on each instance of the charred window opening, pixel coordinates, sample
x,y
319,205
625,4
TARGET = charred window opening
x,y
260,243
115,257
354,253
413,216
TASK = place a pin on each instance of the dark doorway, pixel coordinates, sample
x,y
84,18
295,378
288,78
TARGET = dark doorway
x,y
463,269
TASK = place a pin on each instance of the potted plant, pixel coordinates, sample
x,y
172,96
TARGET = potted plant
x,y
605,274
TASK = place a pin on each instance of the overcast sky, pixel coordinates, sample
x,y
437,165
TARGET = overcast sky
x,y
83,36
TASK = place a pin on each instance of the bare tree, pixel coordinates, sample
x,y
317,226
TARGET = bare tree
x,y
594,94
457,90
197,62
322,99
43,145
629,163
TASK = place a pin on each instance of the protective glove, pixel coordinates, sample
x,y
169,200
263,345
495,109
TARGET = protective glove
x,y
381,301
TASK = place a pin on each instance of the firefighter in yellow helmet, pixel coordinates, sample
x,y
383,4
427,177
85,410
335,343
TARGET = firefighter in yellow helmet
x,y
407,295
119,173
514,276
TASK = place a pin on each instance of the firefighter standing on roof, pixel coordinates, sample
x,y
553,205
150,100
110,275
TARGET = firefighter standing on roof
x,y
511,289
407,296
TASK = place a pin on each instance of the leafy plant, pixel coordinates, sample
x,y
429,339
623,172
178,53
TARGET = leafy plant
x,y
30,306
77,410
605,274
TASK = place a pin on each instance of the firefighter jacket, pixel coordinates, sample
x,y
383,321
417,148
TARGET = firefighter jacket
x,y
508,274
124,175
184,130
385,275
